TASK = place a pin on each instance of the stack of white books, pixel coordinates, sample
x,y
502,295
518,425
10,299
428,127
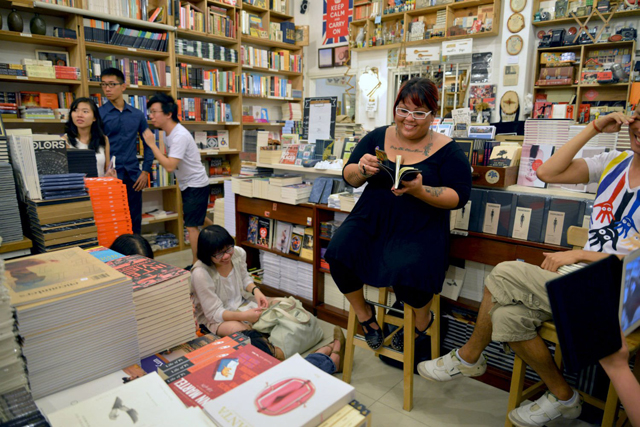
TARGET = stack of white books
x,y
23,159
271,265
295,194
218,212
605,140
291,111
260,187
292,393
147,401
555,132
305,280
14,375
163,309
229,209
71,309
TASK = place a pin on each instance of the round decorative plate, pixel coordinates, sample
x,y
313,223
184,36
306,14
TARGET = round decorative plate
x,y
514,45
541,34
515,23
518,5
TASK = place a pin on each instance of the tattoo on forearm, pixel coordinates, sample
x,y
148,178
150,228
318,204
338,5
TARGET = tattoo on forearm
x,y
354,177
434,191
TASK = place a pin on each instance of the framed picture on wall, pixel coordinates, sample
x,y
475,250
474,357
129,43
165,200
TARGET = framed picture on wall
x,y
341,56
325,58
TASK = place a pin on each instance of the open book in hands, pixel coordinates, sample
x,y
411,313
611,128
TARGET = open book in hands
x,y
399,173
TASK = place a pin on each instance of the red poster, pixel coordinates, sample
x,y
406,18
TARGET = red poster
x,y
337,15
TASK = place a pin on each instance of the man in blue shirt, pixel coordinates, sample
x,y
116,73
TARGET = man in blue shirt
x,y
122,125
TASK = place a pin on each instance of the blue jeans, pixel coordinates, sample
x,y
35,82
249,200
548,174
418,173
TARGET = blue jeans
x,y
322,362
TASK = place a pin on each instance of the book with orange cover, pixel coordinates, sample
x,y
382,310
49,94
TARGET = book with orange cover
x,y
49,100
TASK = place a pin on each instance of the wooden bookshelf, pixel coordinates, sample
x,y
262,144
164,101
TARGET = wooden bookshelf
x,y
204,93
453,10
271,71
26,79
12,36
25,243
137,87
127,51
269,43
206,61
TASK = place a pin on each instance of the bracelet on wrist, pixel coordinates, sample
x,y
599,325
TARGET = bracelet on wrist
x,y
596,127
253,291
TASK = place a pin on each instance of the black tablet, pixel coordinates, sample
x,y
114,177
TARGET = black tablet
x,y
585,307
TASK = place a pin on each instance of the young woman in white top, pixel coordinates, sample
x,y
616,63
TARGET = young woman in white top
x,y
84,131
221,283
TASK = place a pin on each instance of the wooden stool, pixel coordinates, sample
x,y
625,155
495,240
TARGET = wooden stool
x,y
407,357
547,331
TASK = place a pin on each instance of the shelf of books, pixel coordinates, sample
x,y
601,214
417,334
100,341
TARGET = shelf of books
x,y
581,82
432,24
546,13
199,61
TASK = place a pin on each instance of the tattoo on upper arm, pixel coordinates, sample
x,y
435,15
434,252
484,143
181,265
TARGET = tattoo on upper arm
x,y
434,191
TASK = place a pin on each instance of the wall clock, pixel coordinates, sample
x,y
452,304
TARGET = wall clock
x,y
518,5
515,23
514,45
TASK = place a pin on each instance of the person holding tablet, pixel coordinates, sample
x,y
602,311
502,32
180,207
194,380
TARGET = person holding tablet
x,y
516,302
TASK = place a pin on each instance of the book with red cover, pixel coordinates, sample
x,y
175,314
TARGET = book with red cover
x,y
145,272
220,376
183,365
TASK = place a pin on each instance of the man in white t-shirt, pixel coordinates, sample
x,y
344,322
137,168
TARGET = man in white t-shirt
x,y
183,158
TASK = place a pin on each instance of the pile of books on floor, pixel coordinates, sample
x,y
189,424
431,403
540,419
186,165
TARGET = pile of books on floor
x,y
111,206
10,225
70,297
62,186
82,161
62,223
163,309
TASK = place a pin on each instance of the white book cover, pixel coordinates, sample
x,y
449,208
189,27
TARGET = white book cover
x,y
293,393
453,281
282,238
138,403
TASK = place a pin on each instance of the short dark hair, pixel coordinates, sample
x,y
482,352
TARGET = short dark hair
x,y
167,103
421,91
113,72
212,240
132,244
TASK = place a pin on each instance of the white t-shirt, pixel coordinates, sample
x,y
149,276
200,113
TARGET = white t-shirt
x,y
190,172
100,157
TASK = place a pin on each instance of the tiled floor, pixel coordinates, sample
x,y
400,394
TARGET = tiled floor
x,y
464,402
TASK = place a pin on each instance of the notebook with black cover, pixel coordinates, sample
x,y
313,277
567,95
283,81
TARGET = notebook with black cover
x,y
585,311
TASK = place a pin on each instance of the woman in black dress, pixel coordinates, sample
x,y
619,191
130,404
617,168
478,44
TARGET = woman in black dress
x,y
400,237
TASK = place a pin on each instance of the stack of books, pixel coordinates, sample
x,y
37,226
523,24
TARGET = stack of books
x,y
4,150
147,401
14,375
271,265
296,278
109,201
295,194
164,313
23,160
293,392
554,132
70,296
229,209
62,186
83,162
11,225
218,212
63,223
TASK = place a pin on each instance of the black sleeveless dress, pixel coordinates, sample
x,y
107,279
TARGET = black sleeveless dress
x,y
389,240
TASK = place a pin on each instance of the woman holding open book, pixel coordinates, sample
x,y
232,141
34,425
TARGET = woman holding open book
x,y
83,130
398,233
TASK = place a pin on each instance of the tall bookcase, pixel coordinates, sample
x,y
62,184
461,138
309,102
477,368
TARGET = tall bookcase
x,y
73,18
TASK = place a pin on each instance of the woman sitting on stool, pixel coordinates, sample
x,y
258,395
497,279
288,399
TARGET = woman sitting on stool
x,y
392,240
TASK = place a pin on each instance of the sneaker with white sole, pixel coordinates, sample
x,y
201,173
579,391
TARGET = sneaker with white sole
x,y
543,410
448,367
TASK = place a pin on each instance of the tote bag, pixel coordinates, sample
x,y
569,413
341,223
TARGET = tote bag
x,y
291,327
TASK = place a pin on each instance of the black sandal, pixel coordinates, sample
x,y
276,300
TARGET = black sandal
x,y
397,341
374,337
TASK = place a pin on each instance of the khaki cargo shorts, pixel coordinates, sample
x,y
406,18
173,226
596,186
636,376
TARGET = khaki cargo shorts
x,y
521,301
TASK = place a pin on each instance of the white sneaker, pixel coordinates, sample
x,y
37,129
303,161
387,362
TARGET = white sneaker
x,y
543,410
447,367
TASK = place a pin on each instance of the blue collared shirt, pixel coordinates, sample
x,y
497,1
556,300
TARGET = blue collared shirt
x,y
122,128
